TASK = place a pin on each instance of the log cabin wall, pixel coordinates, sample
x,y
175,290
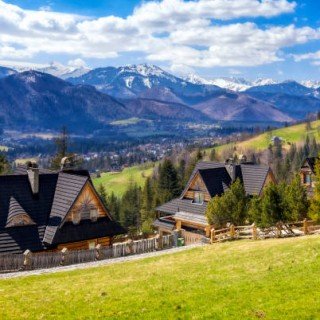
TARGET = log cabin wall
x,y
197,185
84,245
88,198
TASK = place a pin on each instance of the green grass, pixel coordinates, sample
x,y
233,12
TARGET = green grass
x,y
293,134
118,182
271,279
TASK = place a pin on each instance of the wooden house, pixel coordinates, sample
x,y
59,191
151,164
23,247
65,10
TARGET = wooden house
x,y
208,180
44,210
307,174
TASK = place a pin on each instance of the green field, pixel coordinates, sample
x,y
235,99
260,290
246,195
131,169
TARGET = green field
x,y
292,134
118,182
270,279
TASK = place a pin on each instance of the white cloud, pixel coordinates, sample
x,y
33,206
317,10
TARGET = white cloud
x,y
181,33
313,57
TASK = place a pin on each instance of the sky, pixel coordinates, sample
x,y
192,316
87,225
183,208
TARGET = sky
x,y
277,39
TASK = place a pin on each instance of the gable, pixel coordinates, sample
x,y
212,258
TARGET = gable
x,y
17,217
196,185
87,201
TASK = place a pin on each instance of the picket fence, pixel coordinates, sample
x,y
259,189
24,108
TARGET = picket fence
x,y
43,260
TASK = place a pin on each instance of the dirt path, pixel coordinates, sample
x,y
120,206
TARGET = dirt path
x,y
96,263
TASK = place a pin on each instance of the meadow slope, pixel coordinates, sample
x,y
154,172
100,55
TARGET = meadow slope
x,y
118,182
271,279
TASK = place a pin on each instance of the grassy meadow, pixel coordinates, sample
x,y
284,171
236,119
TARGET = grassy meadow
x,y
270,279
118,182
293,134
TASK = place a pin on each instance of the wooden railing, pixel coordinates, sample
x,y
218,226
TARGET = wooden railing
x,y
253,232
43,260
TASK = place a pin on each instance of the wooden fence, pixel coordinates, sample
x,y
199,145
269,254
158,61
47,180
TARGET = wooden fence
x,y
253,232
191,237
43,260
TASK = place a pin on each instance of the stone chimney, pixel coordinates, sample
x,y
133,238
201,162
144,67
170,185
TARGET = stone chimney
x,y
231,168
33,176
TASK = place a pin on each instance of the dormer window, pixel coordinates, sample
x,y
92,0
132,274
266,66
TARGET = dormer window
x,y
17,216
93,214
198,197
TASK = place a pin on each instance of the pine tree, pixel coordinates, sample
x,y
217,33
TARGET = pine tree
x,y
314,210
168,184
4,164
146,202
229,207
213,155
103,193
113,205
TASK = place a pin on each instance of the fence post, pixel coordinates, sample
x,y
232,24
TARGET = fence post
x,y
278,229
254,231
232,231
98,253
160,240
208,231
213,235
305,226
27,260
64,254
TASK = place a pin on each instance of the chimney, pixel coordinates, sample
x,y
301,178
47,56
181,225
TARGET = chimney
x,y
33,176
231,168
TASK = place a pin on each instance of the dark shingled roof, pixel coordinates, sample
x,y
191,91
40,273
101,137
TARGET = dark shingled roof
x,y
217,180
57,192
185,205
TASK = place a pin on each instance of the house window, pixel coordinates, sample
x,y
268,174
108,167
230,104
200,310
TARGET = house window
x,y
93,214
307,178
198,197
76,217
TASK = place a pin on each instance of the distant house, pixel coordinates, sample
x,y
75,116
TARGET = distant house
x,y
307,174
44,210
208,180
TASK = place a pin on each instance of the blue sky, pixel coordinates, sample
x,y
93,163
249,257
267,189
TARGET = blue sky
x,y
244,38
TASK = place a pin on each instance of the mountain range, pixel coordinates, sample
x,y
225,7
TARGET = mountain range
x,y
87,99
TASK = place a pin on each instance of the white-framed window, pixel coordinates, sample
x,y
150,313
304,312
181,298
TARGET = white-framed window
x,y
198,197
93,214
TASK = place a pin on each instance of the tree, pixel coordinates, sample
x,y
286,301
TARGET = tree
x,y
147,212
269,209
168,184
113,205
62,143
103,193
296,203
4,164
130,208
213,155
230,207
314,210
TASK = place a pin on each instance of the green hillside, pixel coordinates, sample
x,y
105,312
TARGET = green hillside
x,y
292,134
118,182
270,279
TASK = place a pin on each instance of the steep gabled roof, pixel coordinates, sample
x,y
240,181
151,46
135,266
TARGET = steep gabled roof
x,y
217,180
17,212
68,188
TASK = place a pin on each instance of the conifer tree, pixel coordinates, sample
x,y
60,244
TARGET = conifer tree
x,y
168,184
314,210
103,193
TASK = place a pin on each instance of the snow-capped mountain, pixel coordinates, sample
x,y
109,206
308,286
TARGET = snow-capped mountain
x,y
54,68
147,81
230,83
314,84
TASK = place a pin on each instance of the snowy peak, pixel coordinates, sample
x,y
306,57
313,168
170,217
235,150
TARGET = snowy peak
x,y
230,83
312,84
